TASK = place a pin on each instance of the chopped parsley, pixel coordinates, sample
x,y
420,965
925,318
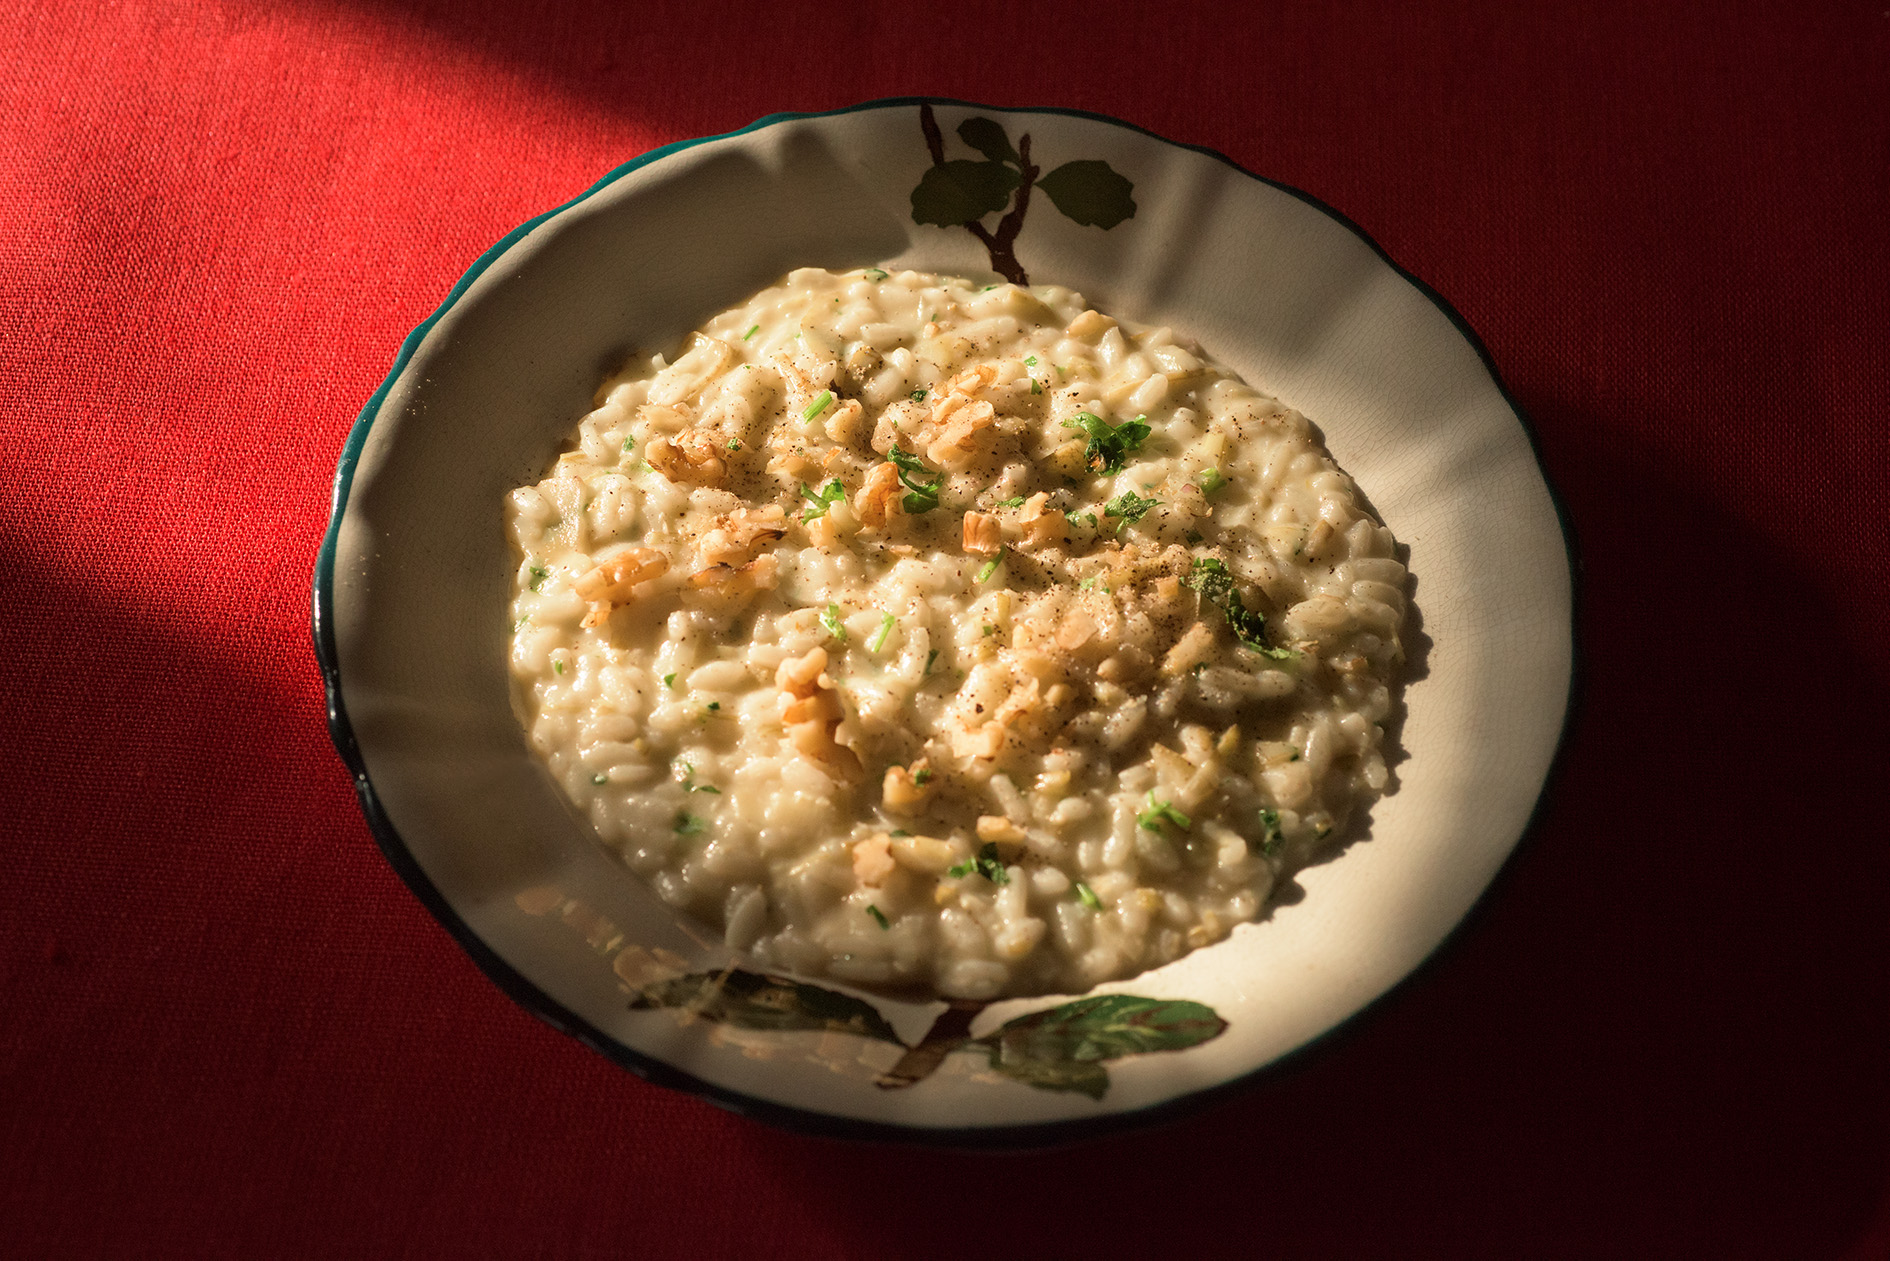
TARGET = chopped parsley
x,y
878,640
1076,520
1109,447
1087,896
1129,506
1194,536
629,441
879,917
669,681
1158,812
1036,386
930,657
921,496
819,500
898,832
822,401
986,864
875,273
1211,481
1015,501
922,777
1030,361
734,444
600,778
1292,754
557,667
1272,834
752,330
688,824
538,574
831,623
918,396
689,784
1215,582
990,567
715,706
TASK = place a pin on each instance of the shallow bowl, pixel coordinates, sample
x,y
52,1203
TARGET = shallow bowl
x,y
413,578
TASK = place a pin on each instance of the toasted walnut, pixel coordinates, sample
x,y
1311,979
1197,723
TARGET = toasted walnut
x,y
902,790
996,828
848,425
812,712
726,588
1189,651
608,585
692,456
1043,525
982,534
872,860
950,434
740,534
879,499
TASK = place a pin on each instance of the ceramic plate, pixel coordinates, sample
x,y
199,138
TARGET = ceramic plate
x,y
412,583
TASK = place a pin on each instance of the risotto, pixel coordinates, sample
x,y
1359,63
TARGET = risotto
x,y
953,637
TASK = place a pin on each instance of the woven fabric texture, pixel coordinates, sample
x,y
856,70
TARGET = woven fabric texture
x,y
227,1030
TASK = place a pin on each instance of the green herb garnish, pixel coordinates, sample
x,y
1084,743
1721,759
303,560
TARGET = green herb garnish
x,y
822,401
879,917
688,824
752,330
1211,481
1159,812
1215,582
1015,501
918,396
922,778
1273,835
538,575
875,273
878,640
734,444
921,496
600,778
986,864
1109,447
557,667
831,623
1036,386
991,566
1129,506
819,500
689,784
1087,896
669,681
930,657
1030,361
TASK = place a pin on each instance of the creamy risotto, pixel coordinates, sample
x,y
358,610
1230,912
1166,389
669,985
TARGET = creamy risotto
x,y
956,637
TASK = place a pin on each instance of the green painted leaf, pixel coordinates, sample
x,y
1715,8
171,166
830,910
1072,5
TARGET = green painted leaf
x,y
1083,1076
1090,192
1106,1028
987,138
961,191
749,1000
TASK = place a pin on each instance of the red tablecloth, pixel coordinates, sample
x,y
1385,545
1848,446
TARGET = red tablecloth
x,y
226,1029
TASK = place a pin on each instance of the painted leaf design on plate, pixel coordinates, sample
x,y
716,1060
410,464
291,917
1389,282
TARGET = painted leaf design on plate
x,y
1083,1076
960,191
989,139
1090,192
750,1000
1107,1027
